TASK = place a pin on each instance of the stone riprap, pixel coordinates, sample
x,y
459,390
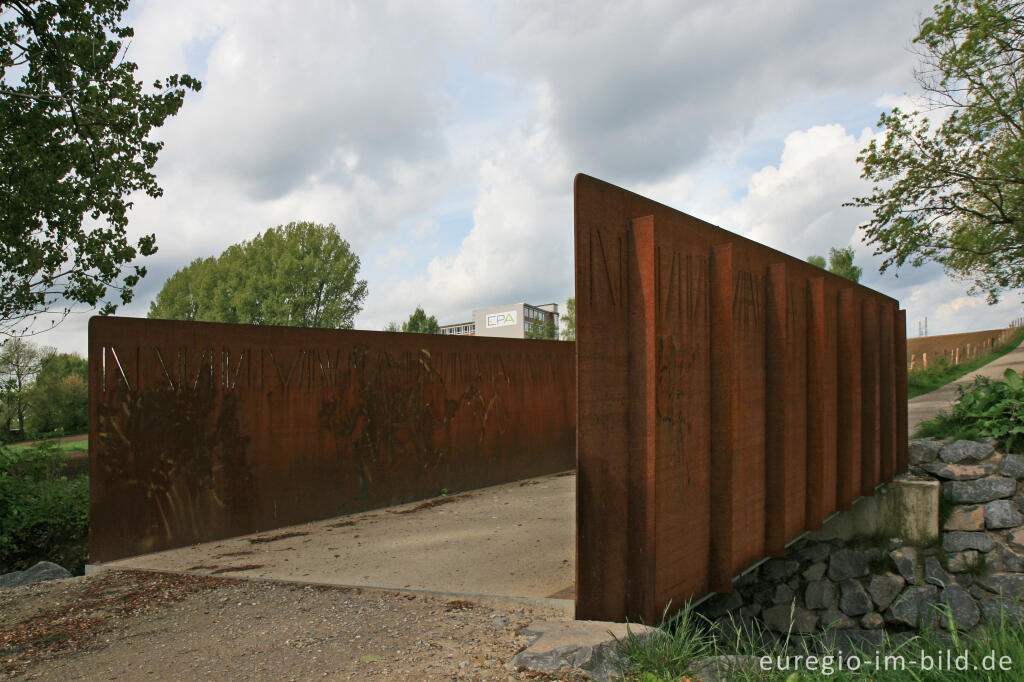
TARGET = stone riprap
x,y
860,591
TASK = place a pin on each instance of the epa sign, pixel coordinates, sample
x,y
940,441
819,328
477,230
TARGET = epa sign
x,y
504,319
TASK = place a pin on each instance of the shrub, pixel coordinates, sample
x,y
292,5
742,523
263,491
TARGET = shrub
x,y
44,514
985,408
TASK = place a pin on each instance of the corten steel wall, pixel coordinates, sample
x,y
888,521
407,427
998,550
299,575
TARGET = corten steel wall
x,y
200,431
730,397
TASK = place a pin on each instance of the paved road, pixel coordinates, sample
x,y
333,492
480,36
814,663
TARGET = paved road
x,y
926,406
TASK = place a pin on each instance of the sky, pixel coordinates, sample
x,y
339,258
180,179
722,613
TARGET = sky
x,y
442,138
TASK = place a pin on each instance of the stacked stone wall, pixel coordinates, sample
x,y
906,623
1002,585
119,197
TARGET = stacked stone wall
x,y
865,590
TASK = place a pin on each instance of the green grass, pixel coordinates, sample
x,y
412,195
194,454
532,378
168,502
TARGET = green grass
x,y
921,381
68,448
686,637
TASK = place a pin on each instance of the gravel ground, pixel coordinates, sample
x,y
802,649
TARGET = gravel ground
x,y
130,625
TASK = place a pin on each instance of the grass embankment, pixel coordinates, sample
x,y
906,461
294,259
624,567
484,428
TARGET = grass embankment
x,y
69,446
921,381
997,654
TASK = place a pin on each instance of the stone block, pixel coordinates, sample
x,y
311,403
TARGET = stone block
x,y
775,570
966,449
958,562
934,574
958,541
820,594
958,606
923,451
914,606
815,571
1002,514
884,587
847,563
1013,466
872,621
1003,559
966,517
980,490
905,560
1007,584
853,599
961,472
44,570
782,617
836,620
579,646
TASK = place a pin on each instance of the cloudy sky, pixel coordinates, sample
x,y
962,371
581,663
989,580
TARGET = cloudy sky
x,y
442,138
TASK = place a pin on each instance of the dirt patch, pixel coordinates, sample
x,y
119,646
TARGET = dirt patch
x,y
131,624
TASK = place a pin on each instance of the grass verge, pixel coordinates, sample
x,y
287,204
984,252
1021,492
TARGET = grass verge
x,y
921,381
750,653
68,447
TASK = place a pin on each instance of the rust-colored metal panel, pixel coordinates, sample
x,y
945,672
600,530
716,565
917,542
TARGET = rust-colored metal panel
x,y
887,434
849,399
699,353
870,398
822,376
200,431
738,462
901,407
785,408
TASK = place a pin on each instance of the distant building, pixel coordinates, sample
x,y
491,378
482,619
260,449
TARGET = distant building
x,y
511,321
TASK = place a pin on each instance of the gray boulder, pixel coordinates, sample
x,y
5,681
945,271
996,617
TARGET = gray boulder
x,y
980,490
1002,514
44,570
1013,466
847,563
884,587
961,608
923,451
965,449
577,647
959,540
853,599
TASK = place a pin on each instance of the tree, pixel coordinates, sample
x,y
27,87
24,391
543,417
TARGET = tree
x,y
299,274
542,331
569,332
419,323
60,396
840,262
20,361
954,193
817,261
392,327
74,143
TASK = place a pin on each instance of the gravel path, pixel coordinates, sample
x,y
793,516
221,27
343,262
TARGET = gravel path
x,y
129,625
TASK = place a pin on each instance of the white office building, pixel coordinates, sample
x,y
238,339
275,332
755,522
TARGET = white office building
x,y
511,321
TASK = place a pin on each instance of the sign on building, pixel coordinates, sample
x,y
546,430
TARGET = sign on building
x,y
503,319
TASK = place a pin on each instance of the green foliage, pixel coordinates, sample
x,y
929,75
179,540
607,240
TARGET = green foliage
x,y
840,262
954,193
546,331
60,396
817,261
419,323
392,327
44,515
19,363
569,331
299,274
985,408
74,142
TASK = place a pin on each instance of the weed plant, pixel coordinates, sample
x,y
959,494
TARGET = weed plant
x,y
44,513
940,373
997,653
984,408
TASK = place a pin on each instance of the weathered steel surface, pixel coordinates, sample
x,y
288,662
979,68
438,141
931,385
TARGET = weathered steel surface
x,y
200,431
711,372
